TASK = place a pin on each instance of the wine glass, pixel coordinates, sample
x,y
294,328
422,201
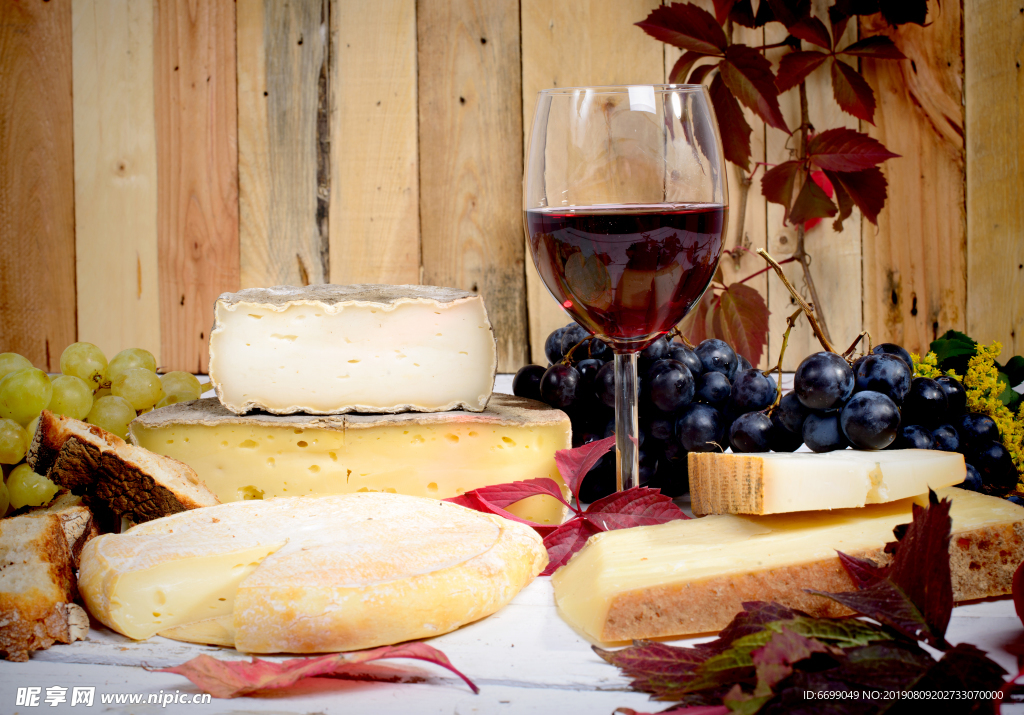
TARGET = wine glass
x,y
625,202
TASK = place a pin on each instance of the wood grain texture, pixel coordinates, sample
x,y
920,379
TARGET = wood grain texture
x,y
37,221
197,171
115,175
282,77
994,83
835,256
471,158
571,43
915,262
375,195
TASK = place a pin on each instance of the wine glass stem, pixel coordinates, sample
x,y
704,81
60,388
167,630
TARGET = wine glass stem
x,y
627,445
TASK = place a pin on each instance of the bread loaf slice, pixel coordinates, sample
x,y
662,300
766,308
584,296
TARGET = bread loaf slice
x,y
132,481
37,586
76,518
693,576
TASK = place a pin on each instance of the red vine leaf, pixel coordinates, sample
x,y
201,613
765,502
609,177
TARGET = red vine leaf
x,y
845,149
743,14
232,678
852,92
866,189
748,75
812,202
573,464
778,182
731,123
789,12
687,27
694,325
843,199
471,500
698,75
566,540
638,506
878,47
796,66
722,10
742,320
812,30
681,69
819,178
863,572
502,495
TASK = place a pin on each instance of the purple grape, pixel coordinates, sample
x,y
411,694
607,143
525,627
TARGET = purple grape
x,y
662,428
822,433
893,349
791,412
751,391
678,351
713,388
823,380
742,363
913,437
976,430
658,350
751,432
994,463
700,428
886,374
670,385
553,345
973,480
604,384
526,383
925,404
573,335
716,356
956,395
784,440
558,385
869,420
599,350
945,438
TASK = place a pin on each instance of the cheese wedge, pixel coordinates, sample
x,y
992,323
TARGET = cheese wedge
x,y
309,574
331,349
689,577
775,483
432,455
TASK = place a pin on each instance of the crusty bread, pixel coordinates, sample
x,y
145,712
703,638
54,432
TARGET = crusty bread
x,y
76,517
37,586
132,481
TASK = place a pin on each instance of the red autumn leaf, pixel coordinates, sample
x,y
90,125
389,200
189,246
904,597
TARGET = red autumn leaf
x,y
748,75
743,14
637,506
698,75
778,182
819,178
812,202
681,69
687,27
470,500
866,189
812,30
565,541
796,66
845,149
878,47
774,660
852,92
862,572
789,12
232,678
502,495
573,464
731,123
843,199
722,10
839,23
742,320
693,326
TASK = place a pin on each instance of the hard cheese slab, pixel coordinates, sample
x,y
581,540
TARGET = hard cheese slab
x,y
332,349
692,576
436,455
309,574
776,483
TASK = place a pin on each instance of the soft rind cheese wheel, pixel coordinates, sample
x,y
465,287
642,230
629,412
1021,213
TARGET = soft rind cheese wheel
x,y
309,574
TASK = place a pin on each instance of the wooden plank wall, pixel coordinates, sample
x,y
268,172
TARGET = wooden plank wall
x,y
259,142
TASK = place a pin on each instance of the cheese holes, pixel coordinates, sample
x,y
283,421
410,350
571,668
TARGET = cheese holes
x,y
302,443
509,441
333,456
314,468
453,438
249,444
432,487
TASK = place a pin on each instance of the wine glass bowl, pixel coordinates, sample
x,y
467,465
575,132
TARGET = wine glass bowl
x,y
626,207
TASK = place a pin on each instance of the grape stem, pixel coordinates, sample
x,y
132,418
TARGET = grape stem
x,y
790,324
807,309
853,346
677,333
567,358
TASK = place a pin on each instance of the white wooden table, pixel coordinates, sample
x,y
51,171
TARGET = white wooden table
x,y
524,658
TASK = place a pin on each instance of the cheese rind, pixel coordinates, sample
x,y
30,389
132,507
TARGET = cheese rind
x,y
310,574
332,349
777,483
432,455
693,576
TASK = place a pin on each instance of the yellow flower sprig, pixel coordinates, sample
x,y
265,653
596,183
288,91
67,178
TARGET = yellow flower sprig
x,y
927,366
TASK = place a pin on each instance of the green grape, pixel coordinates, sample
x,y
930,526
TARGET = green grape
x,y
31,427
182,383
84,361
24,394
13,442
139,386
71,397
173,398
9,362
130,359
5,498
26,488
113,414
100,392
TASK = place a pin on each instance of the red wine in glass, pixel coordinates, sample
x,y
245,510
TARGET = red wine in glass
x,y
627,273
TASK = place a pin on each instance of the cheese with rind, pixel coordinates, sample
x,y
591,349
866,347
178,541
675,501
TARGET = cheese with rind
x,y
437,455
309,574
332,349
776,483
693,576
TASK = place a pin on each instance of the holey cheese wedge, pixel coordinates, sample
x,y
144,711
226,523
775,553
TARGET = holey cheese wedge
x,y
693,576
775,483
432,455
331,349
309,574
